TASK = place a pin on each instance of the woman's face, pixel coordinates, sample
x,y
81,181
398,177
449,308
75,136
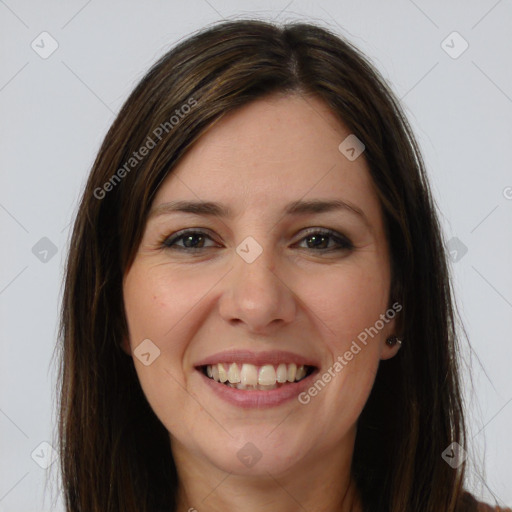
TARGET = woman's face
x,y
264,279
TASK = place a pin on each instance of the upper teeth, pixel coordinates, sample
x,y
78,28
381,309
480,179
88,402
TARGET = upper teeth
x,y
251,375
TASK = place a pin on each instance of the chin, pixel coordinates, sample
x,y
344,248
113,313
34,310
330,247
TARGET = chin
x,y
257,457
256,450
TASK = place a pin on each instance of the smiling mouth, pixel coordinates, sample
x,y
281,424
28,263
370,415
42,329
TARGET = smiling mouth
x,y
257,378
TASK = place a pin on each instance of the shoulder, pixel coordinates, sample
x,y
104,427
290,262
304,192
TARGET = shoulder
x,y
470,504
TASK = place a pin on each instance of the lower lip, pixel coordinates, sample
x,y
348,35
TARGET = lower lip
x,y
258,398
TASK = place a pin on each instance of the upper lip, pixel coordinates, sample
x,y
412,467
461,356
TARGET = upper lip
x,y
257,358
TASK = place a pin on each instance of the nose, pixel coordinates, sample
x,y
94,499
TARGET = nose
x,y
255,296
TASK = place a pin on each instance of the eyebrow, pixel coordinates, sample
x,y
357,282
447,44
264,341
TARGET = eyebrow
x,y
210,208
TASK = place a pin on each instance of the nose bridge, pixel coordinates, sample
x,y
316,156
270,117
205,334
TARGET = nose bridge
x,y
256,265
254,273
255,295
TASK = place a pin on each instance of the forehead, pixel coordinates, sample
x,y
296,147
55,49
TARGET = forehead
x,y
272,151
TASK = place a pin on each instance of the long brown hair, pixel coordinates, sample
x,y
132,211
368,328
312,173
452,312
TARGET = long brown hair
x,y
114,452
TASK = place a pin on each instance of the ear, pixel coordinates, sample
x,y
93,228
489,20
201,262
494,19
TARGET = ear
x,y
125,345
387,352
393,328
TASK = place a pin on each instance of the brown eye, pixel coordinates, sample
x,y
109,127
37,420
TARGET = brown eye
x,y
192,240
321,239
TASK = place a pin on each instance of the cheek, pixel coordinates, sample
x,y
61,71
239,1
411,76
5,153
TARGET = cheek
x,y
346,300
158,303
165,306
157,300
347,303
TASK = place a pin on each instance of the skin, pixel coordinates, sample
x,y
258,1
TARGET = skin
x,y
293,297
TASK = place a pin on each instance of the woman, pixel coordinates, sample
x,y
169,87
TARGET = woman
x,y
257,310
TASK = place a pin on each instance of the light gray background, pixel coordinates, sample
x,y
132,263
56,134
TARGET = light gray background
x,y
55,112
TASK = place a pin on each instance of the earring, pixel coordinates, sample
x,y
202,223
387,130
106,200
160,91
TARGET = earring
x,y
393,340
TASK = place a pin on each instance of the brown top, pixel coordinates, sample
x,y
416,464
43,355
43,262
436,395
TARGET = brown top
x,y
483,507
470,504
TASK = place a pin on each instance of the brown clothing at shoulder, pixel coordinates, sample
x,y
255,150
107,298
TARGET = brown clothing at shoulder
x,y
470,504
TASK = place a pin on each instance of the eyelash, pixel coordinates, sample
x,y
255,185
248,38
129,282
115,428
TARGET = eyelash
x,y
344,243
